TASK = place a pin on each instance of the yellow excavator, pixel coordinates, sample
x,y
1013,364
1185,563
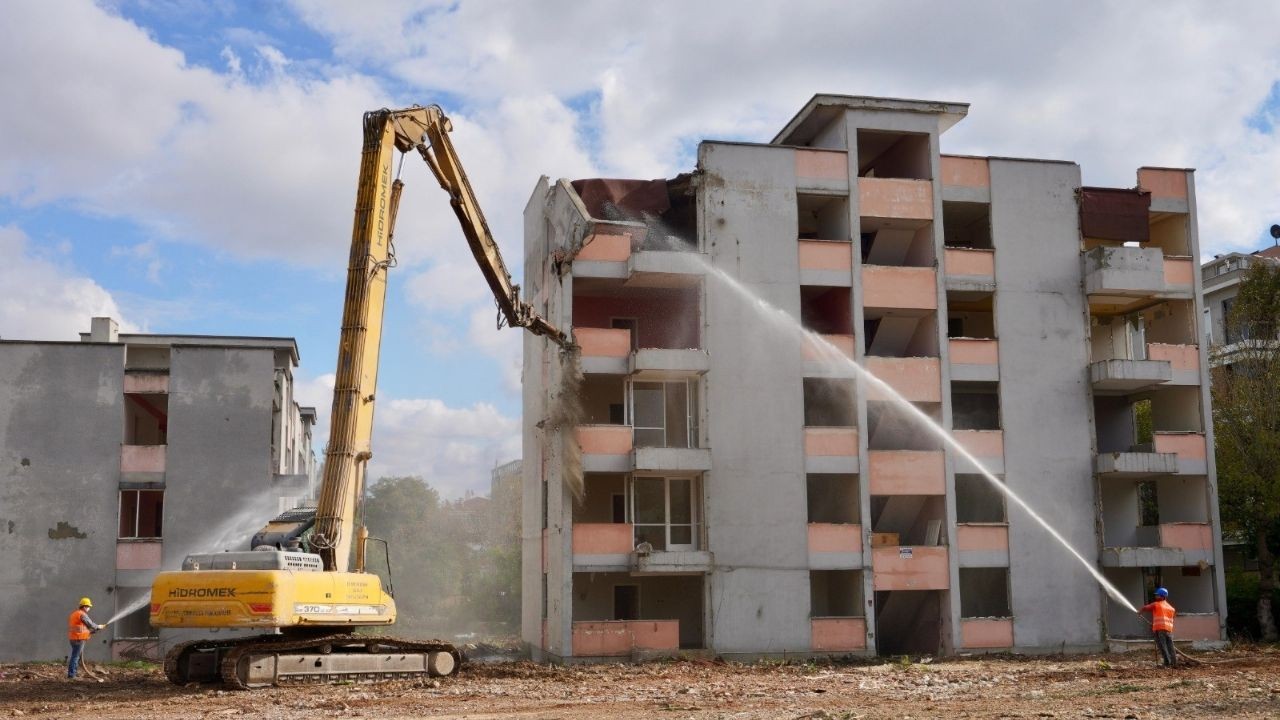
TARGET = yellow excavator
x,y
304,582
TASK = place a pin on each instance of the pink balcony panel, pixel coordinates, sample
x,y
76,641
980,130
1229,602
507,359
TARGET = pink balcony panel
x,y
602,538
1196,626
1186,445
830,441
135,382
604,439
1181,357
1164,183
138,555
966,171
895,198
606,247
142,458
982,537
969,262
655,634
826,255
910,568
838,634
603,342
835,538
1187,536
915,379
813,350
822,164
907,472
602,638
986,632
974,351
982,443
905,288
1178,270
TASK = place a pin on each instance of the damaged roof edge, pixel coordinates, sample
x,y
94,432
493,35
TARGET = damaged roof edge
x,y
949,113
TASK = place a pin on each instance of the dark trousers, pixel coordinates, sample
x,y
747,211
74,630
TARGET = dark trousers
x,y
1164,641
77,647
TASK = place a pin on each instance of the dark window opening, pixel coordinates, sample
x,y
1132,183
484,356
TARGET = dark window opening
x,y
141,514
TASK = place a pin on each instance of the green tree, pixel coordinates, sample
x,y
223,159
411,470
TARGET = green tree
x,y
1246,423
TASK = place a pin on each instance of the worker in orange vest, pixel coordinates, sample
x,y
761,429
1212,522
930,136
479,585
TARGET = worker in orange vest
x,y
1162,625
79,629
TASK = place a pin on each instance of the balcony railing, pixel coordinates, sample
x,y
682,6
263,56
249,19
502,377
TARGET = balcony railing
x,y
910,568
916,379
822,170
139,555
970,264
907,472
603,538
1190,448
837,634
985,445
834,256
899,288
986,633
835,538
814,351
831,449
142,458
983,544
154,382
974,359
616,638
895,198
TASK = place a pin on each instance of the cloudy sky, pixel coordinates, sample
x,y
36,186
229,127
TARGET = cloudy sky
x,y
189,166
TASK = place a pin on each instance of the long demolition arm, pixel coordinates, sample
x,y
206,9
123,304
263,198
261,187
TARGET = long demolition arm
x,y
377,201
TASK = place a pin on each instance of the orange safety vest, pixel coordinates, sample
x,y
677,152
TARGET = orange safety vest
x,y
1161,615
76,629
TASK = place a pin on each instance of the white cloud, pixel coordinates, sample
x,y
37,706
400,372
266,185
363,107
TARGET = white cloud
x,y
42,297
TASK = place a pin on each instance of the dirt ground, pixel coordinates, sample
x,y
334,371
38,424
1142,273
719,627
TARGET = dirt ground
x,y
1241,683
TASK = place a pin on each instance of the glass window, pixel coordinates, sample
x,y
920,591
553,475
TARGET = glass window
x,y
664,512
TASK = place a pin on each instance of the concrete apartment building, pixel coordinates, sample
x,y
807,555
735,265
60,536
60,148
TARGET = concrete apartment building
x,y
740,497
122,453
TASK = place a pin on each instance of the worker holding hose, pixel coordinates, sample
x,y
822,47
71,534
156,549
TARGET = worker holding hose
x,y
79,629
1162,625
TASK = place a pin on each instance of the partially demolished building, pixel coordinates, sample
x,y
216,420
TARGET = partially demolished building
x,y
694,481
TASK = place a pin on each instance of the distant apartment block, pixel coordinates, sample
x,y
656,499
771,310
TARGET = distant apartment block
x,y
742,497
122,453
1221,277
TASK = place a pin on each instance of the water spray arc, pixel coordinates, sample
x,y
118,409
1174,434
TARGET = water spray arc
x,y
783,321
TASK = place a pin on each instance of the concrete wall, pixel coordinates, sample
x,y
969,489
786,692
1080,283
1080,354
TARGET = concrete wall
x,y
755,511
1041,320
59,474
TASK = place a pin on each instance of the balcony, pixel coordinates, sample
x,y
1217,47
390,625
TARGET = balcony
x,y
1172,545
1183,360
1121,279
830,450
605,448
824,358
623,638
824,170
837,634
617,251
606,251
910,568
985,445
970,269
604,546
983,544
895,198
907,472
916,379
1134,465
899,288
986,633
1189,448
1117,376
835,546
1168,188
148,459
604,350
974,359
826,263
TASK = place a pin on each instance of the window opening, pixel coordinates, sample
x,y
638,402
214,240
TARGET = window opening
x,y
664,512
141,513
663,414
626,602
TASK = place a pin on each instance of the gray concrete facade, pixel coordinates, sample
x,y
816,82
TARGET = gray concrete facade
x,y
76,450
777,496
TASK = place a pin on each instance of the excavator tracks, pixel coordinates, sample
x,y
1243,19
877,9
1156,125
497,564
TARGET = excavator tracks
x,y
267,660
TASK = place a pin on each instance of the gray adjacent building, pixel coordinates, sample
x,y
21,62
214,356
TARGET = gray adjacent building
x,y
721,486
122,453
